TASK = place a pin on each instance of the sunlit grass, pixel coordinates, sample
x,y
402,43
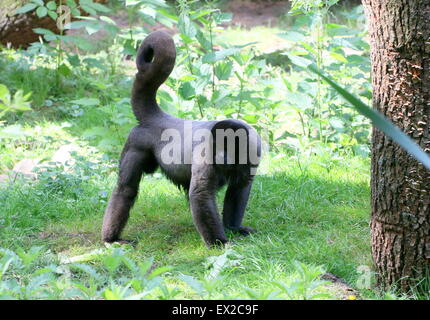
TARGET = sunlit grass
x,y
266,38
305,213
306,207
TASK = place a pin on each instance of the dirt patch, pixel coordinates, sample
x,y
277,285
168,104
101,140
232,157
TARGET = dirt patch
x,y
249,14
246,13
17,30
340,287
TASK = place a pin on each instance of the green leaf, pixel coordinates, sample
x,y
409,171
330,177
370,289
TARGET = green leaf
x,y
28,7
113,30
201,13
99,7
4,94
300,100
215,56
158,271
41,12
108,20
379,121
337,124
157,3
187,77
87,101
81,42
20,101
299,61
93,28
53,15
39,2
49,38
285,135
148,11
223,70
196,285
51,5
71,4
356,59
334,30
29,256
338,57
222,17
204,42
186,39
89,10
292,36
109,295
79,24
186,26
76,12
43,31
64,70
251,118
187,91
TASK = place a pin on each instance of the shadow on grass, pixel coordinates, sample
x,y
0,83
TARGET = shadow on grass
x,y
318,218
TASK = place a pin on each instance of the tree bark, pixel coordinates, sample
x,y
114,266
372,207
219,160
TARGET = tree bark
x,y
400,222
17,30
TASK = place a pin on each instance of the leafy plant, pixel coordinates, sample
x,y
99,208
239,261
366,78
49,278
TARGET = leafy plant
x,y
307,285
54,280
42,9
69,9
229,260
68,178
321,113
380,122
298,6
19,101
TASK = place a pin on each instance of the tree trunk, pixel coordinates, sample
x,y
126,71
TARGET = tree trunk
x,y
17,30
400,223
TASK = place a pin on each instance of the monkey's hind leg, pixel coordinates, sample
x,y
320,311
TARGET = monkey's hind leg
x,y
123,197
203,206
235,202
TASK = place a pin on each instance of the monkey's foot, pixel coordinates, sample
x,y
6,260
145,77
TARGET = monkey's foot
x,y
243,230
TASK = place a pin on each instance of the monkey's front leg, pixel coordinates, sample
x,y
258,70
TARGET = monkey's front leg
x,y
122,199
203,206
235,202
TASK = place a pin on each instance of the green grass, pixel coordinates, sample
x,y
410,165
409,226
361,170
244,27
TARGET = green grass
x,y
304,213
265,38
313,209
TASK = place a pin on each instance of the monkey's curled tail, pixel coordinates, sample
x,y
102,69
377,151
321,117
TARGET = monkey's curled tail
x,y
155,61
